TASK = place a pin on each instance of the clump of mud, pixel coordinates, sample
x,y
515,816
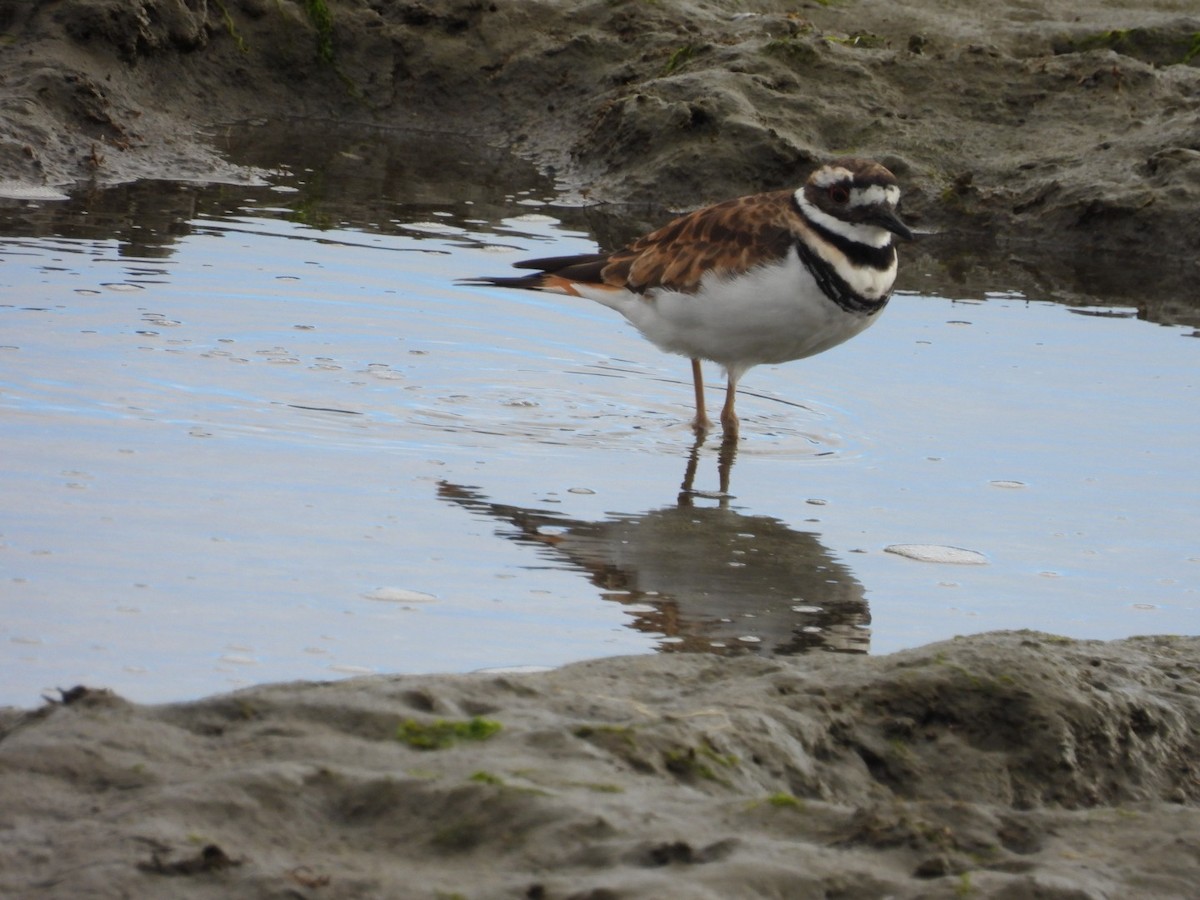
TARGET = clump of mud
x,y
1003,765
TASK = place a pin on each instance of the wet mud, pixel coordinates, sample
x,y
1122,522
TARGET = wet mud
x,y
1055,142
1003,765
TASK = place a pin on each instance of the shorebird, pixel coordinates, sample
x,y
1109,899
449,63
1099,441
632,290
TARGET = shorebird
x,y
765,278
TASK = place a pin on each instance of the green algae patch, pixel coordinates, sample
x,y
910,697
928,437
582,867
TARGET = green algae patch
x,y
482,777
784,800
442,733
702,762
1161,46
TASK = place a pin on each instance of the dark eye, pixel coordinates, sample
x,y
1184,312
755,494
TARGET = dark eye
x,y
839,195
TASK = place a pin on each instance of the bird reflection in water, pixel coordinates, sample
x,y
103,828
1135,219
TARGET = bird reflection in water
x,y
706,578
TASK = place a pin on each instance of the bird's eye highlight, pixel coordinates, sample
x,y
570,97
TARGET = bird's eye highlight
x,y
839,195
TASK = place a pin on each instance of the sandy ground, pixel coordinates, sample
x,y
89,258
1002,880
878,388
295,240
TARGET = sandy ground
x,y
1044,144
1010,765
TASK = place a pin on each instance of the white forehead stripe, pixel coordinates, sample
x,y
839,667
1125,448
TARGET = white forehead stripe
x,y
832,175
875,195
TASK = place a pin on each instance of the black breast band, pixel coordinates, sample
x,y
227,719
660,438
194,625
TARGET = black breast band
x,y
834,287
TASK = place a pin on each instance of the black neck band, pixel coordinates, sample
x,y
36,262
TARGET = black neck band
x,y
834,287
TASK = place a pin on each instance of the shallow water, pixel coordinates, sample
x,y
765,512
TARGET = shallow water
x,y
256,432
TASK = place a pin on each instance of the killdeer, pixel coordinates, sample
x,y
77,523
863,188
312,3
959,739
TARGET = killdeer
x,y
761,279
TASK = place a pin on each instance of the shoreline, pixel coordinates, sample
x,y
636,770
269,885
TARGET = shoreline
x,y
1012,764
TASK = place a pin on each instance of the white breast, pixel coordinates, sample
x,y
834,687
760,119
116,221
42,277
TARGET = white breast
x,y
771,314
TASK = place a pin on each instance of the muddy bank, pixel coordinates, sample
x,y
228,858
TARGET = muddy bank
x,y
1004,765
1061,140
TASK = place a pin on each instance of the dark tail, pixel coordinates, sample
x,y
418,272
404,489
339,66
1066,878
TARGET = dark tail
x,y
523,282
586,268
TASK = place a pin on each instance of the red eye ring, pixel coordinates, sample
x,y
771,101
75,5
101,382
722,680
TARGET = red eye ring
x,y
839,195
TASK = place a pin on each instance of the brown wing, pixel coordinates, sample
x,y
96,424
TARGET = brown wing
x,y
730,237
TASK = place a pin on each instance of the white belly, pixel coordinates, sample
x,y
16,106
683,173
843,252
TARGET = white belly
x,y
772,314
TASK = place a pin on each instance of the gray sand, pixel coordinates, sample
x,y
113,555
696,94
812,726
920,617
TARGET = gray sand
x,y
1007,765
